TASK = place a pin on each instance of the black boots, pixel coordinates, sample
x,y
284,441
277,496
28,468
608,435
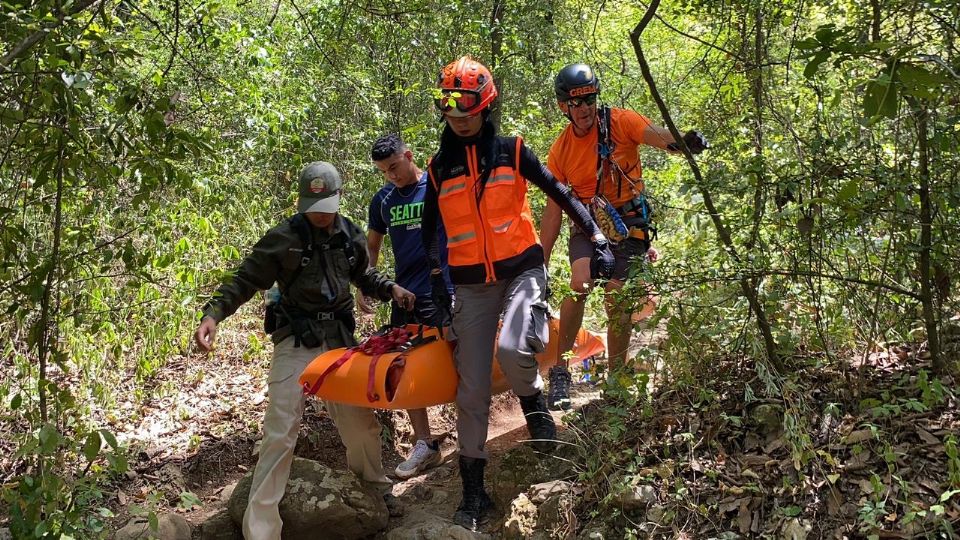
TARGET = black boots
x,y
475,501
540,424
560,380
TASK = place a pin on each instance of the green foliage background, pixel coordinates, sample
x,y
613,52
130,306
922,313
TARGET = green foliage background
x,y
144,145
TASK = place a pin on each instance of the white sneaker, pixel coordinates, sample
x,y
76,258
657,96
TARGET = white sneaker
x,y
423,457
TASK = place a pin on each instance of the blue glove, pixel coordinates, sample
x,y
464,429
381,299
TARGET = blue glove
x,y
602,261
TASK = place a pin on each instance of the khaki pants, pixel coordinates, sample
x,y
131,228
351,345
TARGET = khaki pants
x,y
358,427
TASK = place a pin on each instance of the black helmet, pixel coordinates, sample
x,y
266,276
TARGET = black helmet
x,y
575,80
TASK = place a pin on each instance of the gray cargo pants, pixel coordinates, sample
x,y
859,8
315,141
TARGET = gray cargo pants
x,y
478,310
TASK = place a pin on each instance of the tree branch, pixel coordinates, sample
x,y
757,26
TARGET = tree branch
x,y
34,38
749,289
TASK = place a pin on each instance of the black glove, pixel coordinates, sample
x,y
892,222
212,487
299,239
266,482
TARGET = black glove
x,y
439,293
602,261
695,140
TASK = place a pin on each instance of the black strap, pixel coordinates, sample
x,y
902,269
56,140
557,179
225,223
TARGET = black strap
x,y
300,225
604,147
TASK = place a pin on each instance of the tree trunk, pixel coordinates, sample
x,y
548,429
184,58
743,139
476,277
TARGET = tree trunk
x,y
756,87
748,289
926,238
496,49
46,341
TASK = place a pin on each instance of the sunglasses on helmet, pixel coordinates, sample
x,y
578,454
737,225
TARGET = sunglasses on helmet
x,y
588,99
457,102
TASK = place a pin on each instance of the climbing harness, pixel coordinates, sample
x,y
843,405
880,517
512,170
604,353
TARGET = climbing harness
x,y
610,218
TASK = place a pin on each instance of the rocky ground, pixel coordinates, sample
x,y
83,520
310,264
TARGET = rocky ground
x,y
859,448
191,445
209,474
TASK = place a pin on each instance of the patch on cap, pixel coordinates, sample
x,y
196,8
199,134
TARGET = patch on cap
x,y
317,185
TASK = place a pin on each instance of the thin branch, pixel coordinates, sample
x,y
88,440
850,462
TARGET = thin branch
x,y
273,16
176,37
732,54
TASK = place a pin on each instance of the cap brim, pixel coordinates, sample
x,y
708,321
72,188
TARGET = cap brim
x,y
327,205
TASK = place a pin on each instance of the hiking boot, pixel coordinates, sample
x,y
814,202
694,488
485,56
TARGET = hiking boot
x,y
540,424
475,503
559,396
423,456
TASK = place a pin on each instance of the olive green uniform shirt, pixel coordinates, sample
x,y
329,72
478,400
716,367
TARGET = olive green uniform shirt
x,y
322,286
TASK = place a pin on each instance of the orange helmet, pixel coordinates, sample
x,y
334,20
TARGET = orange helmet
x,y
466,87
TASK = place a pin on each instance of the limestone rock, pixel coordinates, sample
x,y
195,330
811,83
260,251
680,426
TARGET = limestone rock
x,y
542,513
170,527
320,499
795,529
594,533
220,527
227,492
521,519
637,497
543,491
768,418
522,467
432,528
656,513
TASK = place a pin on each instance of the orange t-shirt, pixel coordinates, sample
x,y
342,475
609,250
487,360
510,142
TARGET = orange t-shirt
x,y
573,160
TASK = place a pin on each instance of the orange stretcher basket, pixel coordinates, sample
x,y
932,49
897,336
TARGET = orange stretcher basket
x,y
411,368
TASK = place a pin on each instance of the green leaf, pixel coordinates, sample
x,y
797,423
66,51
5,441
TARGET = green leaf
x,y
792,511
188,500
16,402
848,191
947,494
918,81
880,98
91,447
49,439
826,34
111,440
814,64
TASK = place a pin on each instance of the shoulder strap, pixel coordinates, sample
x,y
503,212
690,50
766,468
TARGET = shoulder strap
x,y
516,157
383,206
433,174
300,225
350,251
604,147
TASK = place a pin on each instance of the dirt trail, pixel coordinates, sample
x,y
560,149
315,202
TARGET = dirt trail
x,y
217,410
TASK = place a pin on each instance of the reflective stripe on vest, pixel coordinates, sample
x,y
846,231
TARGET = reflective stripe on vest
x,y
450,187
503,226
501,178
461,238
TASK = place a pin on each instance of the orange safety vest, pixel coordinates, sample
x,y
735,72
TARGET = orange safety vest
x,y
494,237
